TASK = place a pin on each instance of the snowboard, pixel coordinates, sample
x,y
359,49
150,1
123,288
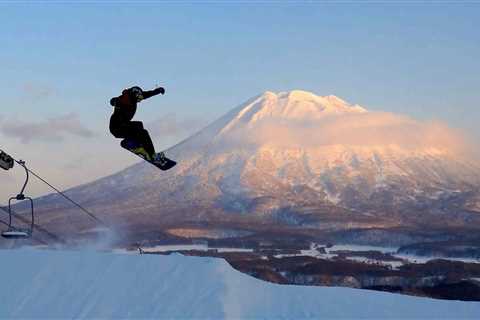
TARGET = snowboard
x,y
132,146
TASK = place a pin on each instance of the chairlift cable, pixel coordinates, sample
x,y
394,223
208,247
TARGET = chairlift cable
x,y
63,195
9,164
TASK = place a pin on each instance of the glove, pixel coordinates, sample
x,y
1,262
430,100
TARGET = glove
x,y
160,90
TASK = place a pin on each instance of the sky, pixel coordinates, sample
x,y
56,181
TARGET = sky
x,y
61,62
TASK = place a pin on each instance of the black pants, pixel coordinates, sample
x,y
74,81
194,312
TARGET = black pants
x,y
132,130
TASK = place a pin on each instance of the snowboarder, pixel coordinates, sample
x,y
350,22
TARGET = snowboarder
x,y
135,138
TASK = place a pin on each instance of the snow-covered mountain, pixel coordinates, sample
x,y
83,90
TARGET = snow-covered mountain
x,y
298,159
88,285
297,142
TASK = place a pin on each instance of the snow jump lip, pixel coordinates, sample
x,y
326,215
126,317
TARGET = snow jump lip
x,y
89,284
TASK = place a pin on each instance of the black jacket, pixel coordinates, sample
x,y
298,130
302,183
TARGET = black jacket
x,y
126,104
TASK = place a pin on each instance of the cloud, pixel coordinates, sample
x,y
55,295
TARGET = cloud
x,y
52,129
361,129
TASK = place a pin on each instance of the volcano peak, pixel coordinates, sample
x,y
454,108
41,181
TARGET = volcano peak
x,y
290,106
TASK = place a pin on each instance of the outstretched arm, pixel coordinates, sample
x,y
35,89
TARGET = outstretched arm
x,y
151,93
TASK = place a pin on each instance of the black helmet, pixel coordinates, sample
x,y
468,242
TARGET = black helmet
x,y
137,93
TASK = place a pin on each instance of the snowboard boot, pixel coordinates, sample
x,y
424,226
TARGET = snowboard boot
x,y
142,153
136,148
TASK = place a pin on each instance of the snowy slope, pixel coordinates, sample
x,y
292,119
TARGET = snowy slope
x,y
53,284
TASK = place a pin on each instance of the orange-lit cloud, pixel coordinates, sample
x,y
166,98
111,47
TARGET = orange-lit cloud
x,y
358,129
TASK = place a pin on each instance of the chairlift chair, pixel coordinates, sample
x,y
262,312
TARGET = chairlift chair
x,y
14,232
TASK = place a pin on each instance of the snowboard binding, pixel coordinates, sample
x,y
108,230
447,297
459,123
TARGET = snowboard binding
x,y
159,160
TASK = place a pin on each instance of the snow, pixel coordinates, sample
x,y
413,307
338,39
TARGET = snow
x,y
411,258
354,247
86,284
232,249
176,247
407,258
192,247
296,104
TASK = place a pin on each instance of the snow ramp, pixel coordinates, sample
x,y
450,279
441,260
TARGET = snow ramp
x,y
87,284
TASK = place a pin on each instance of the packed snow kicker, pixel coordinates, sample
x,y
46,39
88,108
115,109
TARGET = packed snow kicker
x,y
54,284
